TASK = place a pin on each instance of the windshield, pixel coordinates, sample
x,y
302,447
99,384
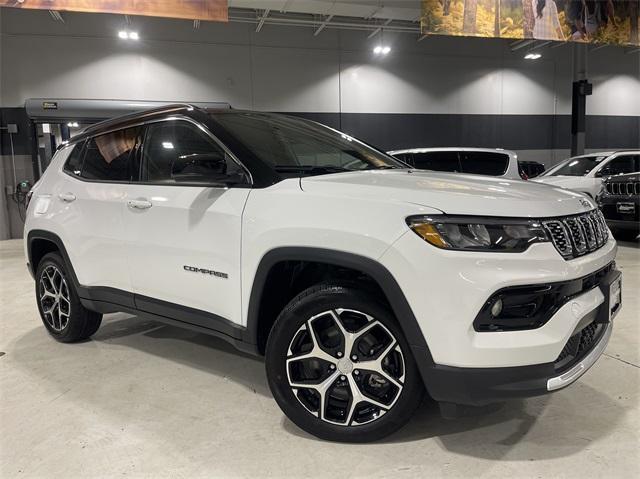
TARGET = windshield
x,y
294,145
576,166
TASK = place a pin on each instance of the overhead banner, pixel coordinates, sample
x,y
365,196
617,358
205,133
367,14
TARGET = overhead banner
x,y
212,10
592,21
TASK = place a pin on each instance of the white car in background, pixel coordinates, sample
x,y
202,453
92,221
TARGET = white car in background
x,y
586,173
476,161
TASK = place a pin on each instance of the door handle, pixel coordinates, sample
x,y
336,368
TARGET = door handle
x,y
67,197
139,204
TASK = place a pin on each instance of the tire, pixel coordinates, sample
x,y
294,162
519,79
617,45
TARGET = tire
x,y
340,316
59,305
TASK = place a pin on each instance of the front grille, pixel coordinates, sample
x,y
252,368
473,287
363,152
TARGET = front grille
x,y
618,188
575,236
579,345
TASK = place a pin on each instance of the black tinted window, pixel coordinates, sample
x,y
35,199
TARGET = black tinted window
x,y
178,152
437,161
74,160
484,163
110,157
621,165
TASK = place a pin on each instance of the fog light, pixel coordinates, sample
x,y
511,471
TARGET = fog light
x,y
496,308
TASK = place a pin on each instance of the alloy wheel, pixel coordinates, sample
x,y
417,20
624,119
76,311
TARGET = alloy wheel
x,y
345,367
55,300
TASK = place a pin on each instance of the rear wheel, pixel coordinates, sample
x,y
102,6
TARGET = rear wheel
x,y
60,308
339,366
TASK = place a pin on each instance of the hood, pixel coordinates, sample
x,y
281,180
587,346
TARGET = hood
x,y
557,179
452,193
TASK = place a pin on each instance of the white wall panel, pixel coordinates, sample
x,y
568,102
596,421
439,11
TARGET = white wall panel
x,y
419,84
528,89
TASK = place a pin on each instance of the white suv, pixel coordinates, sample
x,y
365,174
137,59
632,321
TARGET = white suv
x,y
587,173
362,281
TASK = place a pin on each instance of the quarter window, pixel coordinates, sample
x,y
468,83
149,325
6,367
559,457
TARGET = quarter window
x,y
176,152
73,166
484,163
110,157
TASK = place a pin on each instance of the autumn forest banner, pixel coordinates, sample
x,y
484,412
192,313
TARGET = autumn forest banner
x,y
593,21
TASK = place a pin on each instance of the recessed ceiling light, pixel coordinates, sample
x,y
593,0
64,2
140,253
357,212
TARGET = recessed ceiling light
x,y
532,56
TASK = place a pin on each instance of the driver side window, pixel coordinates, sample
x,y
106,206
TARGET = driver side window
x,y
621,165
177,152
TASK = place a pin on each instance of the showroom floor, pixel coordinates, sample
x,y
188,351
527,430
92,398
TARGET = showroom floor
x,y
146,400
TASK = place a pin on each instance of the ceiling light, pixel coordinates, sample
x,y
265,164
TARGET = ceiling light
x,y
377,50
127,35
167,145
532,56
386,50
72,124
382,50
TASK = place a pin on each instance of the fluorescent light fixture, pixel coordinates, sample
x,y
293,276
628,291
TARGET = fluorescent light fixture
x,y
72,124
167,145
532,56
123,34
382,49
133,36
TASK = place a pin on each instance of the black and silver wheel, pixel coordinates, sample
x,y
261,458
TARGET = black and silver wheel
x,y
60,308
339,366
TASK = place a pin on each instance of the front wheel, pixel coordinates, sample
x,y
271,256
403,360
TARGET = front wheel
x,y
339,366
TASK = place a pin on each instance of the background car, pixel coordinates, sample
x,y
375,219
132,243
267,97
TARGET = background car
x,y
477,161
586,173
620,204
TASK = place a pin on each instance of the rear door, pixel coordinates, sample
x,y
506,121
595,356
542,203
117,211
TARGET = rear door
x,y
97,174
183,223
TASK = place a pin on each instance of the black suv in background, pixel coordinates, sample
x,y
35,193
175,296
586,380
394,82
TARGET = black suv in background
x,y
620,203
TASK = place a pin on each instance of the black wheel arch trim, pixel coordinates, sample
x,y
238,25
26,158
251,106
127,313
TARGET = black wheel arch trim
x,y
370,267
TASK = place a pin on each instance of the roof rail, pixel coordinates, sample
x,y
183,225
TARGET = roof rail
x,y
140,114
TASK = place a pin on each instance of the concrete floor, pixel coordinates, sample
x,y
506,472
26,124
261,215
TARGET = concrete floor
x,y
146,400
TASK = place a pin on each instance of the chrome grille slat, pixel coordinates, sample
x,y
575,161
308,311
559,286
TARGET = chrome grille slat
x,y
578,235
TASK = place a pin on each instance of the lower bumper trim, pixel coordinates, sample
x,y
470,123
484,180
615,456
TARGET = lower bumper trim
x,y
581,367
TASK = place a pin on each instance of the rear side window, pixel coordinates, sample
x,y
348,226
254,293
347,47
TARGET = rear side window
x,y
484,163
73,165
437,161
110,157
180,153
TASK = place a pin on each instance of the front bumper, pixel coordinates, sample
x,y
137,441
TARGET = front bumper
x,y
465,366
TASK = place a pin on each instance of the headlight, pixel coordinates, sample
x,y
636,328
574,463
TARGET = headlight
x,y
471,233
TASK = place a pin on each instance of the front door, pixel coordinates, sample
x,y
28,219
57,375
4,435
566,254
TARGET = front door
x,y
183,225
